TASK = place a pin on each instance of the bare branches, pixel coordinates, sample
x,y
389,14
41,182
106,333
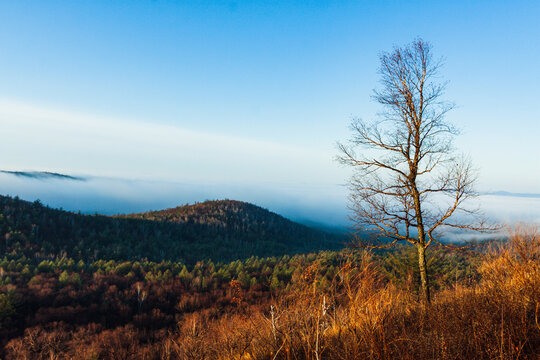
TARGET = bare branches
x,y
408,183
406,160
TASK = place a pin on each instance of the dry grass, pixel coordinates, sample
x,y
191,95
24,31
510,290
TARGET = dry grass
x,y
361,317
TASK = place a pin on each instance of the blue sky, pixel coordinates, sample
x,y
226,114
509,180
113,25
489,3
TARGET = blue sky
x,y
253,93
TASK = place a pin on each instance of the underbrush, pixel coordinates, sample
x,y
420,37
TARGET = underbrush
x,y
360,315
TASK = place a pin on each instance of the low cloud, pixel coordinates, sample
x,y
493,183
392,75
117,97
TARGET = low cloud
x,y
310,203
307,203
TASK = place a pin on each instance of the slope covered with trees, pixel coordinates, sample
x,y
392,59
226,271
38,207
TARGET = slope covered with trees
x,y
218,230
333,305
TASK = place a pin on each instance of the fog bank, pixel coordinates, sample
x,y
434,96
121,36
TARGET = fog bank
x,y
306,203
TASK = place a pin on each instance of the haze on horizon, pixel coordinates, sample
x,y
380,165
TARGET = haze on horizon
x,y
165,103
319,206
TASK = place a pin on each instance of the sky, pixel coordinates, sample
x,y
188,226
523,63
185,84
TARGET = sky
x,y
246,99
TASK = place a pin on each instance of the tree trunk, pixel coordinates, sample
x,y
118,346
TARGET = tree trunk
x,y
421,246
424,286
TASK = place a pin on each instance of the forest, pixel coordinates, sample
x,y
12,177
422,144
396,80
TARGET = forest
x,y
219,230
63,303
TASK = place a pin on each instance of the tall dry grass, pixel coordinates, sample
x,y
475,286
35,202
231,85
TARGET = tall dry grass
x,y
363,317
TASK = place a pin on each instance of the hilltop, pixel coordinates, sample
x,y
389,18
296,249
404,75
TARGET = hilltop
x,y
218,230
231,216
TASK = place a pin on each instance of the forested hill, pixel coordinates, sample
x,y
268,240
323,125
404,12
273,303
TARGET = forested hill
x,y
230,215
217,230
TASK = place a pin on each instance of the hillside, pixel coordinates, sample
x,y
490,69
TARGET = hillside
x,y
231,216
218,230
110,310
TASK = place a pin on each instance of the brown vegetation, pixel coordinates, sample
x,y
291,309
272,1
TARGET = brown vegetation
x,y
360,315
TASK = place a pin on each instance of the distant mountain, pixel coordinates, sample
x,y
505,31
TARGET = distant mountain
x,y
219,230
42,175
507,193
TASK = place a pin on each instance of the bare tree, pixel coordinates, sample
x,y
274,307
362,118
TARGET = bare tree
x,y
408,183
141,297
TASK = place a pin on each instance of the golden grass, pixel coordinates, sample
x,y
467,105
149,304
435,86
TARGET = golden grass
x,y
361,317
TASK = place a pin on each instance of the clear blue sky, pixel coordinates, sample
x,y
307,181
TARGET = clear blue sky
x,y
253,91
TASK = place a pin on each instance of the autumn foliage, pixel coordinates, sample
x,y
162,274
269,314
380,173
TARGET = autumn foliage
x,y
329,306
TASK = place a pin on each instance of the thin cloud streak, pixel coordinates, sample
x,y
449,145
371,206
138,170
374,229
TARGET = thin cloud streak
x,y
61,141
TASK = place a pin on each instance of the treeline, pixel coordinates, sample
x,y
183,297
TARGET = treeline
x,y
217,230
